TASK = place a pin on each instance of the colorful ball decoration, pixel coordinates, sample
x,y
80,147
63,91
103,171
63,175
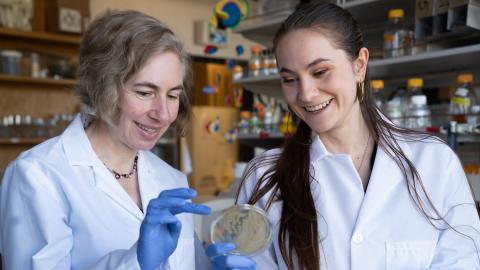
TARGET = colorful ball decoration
x,y
231,12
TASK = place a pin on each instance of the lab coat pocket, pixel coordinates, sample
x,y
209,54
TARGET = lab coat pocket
x,y
411,255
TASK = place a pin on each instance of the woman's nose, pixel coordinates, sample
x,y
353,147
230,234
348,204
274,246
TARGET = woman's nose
x,y
306,91
160,109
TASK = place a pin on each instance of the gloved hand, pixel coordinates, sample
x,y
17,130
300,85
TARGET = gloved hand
x,y
221,260
160,229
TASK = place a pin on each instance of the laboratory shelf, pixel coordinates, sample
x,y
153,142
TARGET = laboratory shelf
x,y
446,60
41,36
31,80
21,141
261,28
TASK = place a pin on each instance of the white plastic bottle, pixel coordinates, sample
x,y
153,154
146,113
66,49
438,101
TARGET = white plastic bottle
x,y
419,113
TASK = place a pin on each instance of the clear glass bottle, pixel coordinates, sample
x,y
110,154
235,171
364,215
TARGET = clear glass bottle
x,y
397,38
273,63
265,62
463,98
35,65
254,62
377,89
419,113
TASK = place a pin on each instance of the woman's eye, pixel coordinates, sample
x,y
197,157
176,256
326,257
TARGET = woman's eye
x,y
288,80
144,94
319,73
173,97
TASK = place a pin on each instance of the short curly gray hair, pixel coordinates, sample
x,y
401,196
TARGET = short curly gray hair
x,y
116,45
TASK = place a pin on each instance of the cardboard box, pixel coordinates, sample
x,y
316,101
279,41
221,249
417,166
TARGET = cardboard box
x,y
67,16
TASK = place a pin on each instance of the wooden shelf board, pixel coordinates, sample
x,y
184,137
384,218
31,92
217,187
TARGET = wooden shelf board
x,y
20,141
26,79
42,36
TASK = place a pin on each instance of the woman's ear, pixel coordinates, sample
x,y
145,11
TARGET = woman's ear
x,y
360,65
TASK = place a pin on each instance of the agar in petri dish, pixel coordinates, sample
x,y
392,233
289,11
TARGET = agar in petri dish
x,y
244,225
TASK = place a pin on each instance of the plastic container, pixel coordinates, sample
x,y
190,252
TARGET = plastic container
x,y
244,225
11,62
397,38
463,98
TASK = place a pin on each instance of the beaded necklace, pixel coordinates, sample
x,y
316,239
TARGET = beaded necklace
x,y
124,175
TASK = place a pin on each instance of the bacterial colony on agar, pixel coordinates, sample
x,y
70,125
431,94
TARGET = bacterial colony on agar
x,y
244,225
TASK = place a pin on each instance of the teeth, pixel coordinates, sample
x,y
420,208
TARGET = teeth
x,y
318,107
149,130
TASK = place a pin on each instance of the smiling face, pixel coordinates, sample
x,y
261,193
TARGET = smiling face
x,y
319,80
149,102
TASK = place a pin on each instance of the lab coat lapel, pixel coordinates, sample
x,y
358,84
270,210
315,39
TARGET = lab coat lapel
x,y
148,184
105,182
79,152
385,180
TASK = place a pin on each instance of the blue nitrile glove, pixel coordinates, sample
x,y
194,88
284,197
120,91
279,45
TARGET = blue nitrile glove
x,y
160,229
221,260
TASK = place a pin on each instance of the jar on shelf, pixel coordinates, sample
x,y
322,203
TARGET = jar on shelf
x,y
272,66
463,98
254,62
265,62
11,62
237,72
34,65
397,38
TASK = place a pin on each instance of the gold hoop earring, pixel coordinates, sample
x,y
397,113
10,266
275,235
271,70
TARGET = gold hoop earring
x,y
360,91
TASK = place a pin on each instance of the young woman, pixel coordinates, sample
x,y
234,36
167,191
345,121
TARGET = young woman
x,y
350,190
95,197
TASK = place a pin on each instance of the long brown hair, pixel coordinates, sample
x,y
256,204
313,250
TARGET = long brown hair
x,y
288,176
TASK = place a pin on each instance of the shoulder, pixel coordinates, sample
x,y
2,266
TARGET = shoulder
x,y
48,154
429,149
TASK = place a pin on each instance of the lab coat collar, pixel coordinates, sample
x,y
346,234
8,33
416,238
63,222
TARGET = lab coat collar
x,y
79,152
76,145
318,149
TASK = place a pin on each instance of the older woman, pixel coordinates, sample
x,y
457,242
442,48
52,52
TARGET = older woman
x,y
95,197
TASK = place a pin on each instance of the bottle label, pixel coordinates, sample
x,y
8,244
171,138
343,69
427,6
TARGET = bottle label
x,y
461,101
461,92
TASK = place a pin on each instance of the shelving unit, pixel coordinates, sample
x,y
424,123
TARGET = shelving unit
x,y
37,97
438,64
261,28
448,60
39,81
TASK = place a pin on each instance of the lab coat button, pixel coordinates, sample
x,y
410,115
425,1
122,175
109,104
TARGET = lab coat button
x,y
357,238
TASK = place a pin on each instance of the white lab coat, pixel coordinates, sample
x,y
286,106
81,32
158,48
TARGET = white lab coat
x,y
61,208
381,228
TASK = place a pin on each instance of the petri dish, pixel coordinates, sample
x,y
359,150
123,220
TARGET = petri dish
x,y
244,225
